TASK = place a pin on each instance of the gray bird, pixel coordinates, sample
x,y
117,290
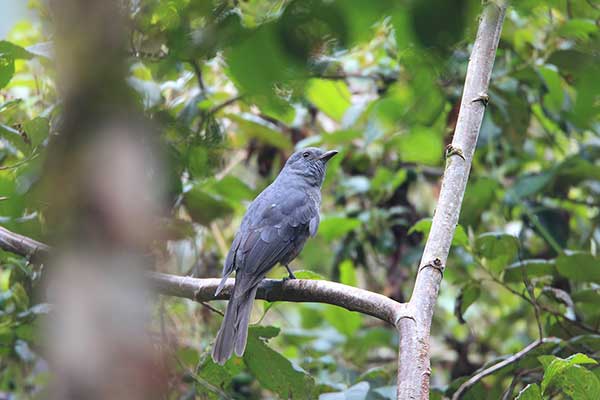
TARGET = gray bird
x,y
276,226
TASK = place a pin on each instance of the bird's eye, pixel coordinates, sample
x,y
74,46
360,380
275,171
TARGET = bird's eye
x,y
305,154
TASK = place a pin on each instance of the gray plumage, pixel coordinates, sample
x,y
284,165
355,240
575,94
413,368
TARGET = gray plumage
x,y
274,229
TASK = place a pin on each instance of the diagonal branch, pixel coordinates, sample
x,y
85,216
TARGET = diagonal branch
x,y
200,290
414,365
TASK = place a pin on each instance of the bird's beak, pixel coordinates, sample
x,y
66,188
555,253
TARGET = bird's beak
x,y
327,155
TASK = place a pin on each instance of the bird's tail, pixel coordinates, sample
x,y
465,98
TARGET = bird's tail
x,y
233,333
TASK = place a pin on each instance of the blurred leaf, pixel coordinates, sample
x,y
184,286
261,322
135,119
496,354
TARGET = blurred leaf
x,y
232,188
479,195
528,185
424,226
389,392
421,145
257,128
330,96
348,273
13,51
344,321
580,267
258,61
274,371
306,274
533,268
579,29
19,296
467,296
555,96
530,392
496,250
385,182
7,69
36,130
332,228
355,185
356,392
205,207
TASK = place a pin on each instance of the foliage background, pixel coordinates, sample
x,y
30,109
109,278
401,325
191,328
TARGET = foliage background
x,y
236,86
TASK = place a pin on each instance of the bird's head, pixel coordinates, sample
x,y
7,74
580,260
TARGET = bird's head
x,y
309,163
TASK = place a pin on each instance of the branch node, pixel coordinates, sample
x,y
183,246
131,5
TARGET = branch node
x,y
404,312
454,151
436,264
483,97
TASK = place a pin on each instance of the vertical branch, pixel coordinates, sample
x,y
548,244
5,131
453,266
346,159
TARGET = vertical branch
x,y
414,365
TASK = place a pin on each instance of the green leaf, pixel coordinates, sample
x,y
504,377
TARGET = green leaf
x,y
7,69
330,96
348,273
496,250
467,296
332,228
580,267
554,367
14,51
531,392
534,268
205,207
37,130
217,376
273,370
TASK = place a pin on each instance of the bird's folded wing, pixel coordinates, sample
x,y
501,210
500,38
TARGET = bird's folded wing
x,y
270,233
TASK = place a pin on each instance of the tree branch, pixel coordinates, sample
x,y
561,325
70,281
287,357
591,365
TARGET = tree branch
x,y
294,290
201,290
414,365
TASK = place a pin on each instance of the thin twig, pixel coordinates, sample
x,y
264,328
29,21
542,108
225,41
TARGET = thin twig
x,y
496,367
226,103
211,308
198,73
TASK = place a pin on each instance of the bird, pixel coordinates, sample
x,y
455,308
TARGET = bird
x,y
274,229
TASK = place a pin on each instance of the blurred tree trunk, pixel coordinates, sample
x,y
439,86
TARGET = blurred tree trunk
x,y
103,189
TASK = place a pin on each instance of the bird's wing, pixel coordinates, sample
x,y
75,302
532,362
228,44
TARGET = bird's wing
x,y
274,220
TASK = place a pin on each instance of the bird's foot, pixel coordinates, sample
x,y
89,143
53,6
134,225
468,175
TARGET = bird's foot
x,y
291,274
